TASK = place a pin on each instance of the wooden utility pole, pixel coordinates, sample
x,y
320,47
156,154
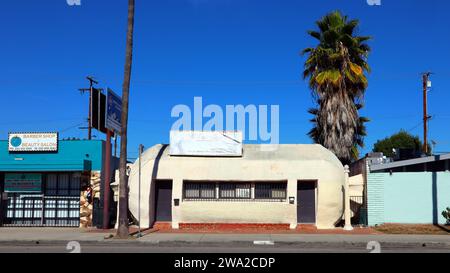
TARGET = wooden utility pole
x,y
425,78
123,231
90,90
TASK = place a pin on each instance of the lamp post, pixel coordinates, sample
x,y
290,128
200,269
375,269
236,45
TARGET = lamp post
x,y
347,213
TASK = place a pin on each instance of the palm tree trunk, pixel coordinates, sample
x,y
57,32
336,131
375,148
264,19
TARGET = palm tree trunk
x,y
123,231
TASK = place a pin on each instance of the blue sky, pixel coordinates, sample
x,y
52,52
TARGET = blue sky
x,y
227,51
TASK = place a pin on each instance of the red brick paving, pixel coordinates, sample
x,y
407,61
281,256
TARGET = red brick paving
x,y
254,229
234,227
240,229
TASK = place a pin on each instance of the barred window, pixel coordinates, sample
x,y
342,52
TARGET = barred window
x,y
63,184
270,191
199,190
235,191
52,184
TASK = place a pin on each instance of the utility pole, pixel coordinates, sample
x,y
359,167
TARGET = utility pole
x,y
141,150
90,90
426,117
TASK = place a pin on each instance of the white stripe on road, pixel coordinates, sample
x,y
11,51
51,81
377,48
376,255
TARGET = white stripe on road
x,y
264,243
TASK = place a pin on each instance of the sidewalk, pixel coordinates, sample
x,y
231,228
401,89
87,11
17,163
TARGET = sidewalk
x,y
49,235
43,235
207,238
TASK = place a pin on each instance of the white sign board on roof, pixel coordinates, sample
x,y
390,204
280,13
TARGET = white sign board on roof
x,y
196,143
33,142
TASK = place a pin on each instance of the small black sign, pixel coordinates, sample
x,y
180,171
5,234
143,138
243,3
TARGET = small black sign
x,y
98,110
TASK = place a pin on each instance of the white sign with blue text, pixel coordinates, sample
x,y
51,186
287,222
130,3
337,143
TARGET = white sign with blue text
x,y
33,142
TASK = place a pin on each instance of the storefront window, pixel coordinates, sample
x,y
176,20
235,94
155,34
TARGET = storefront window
x,y
199,191
63,184
271,190
235,190
52,184
57,205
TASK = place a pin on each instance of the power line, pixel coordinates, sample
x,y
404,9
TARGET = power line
x,y
71,127
36,121
415,127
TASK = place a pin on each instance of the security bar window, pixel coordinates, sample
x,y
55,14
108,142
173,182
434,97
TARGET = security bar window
x,y
199,191
63,184
271,191
235,191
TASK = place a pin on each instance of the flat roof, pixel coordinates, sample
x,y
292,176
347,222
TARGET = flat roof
x,y
288,152
409,162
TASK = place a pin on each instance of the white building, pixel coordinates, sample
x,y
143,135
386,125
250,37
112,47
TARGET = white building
x,y
286,186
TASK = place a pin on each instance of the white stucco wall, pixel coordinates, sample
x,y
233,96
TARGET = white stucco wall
x,y
356,184
289,163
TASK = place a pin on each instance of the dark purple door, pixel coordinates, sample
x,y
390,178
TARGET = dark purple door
x,y
306,202
163,201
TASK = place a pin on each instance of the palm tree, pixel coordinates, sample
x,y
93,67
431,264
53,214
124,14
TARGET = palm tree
x,y
336,70
358,141
123,231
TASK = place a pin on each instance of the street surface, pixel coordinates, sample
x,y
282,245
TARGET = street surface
x,y
137,247
47,240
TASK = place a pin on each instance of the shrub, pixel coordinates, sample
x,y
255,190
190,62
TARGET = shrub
x,y
446,215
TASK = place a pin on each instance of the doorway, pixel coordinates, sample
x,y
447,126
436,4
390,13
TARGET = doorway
x,y
163,201
306,202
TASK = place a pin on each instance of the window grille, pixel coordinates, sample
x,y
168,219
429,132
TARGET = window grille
x,y
235,191
271,191
199,191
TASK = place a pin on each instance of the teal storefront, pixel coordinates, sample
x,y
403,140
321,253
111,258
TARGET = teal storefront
x,y
54,187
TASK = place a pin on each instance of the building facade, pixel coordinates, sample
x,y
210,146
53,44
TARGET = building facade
x,y
57,188
280,186
414,191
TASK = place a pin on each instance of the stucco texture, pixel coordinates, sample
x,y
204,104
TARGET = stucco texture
x,y
289,163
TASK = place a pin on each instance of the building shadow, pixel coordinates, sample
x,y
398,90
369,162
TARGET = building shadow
x,y
435,199
152,210
341,222
436,212
443,228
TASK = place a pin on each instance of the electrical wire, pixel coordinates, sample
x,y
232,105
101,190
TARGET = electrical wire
x,y
415,127
37,121
71,127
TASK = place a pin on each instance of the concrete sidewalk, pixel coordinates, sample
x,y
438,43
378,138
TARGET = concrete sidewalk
x,y
49,235
26,235
161,238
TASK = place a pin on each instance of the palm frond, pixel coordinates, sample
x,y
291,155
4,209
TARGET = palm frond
x,y
336,69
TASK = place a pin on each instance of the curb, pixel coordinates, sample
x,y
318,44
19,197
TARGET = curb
x,y
284,243
247,243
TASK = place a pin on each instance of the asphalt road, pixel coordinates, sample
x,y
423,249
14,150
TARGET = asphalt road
x,y
137,247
